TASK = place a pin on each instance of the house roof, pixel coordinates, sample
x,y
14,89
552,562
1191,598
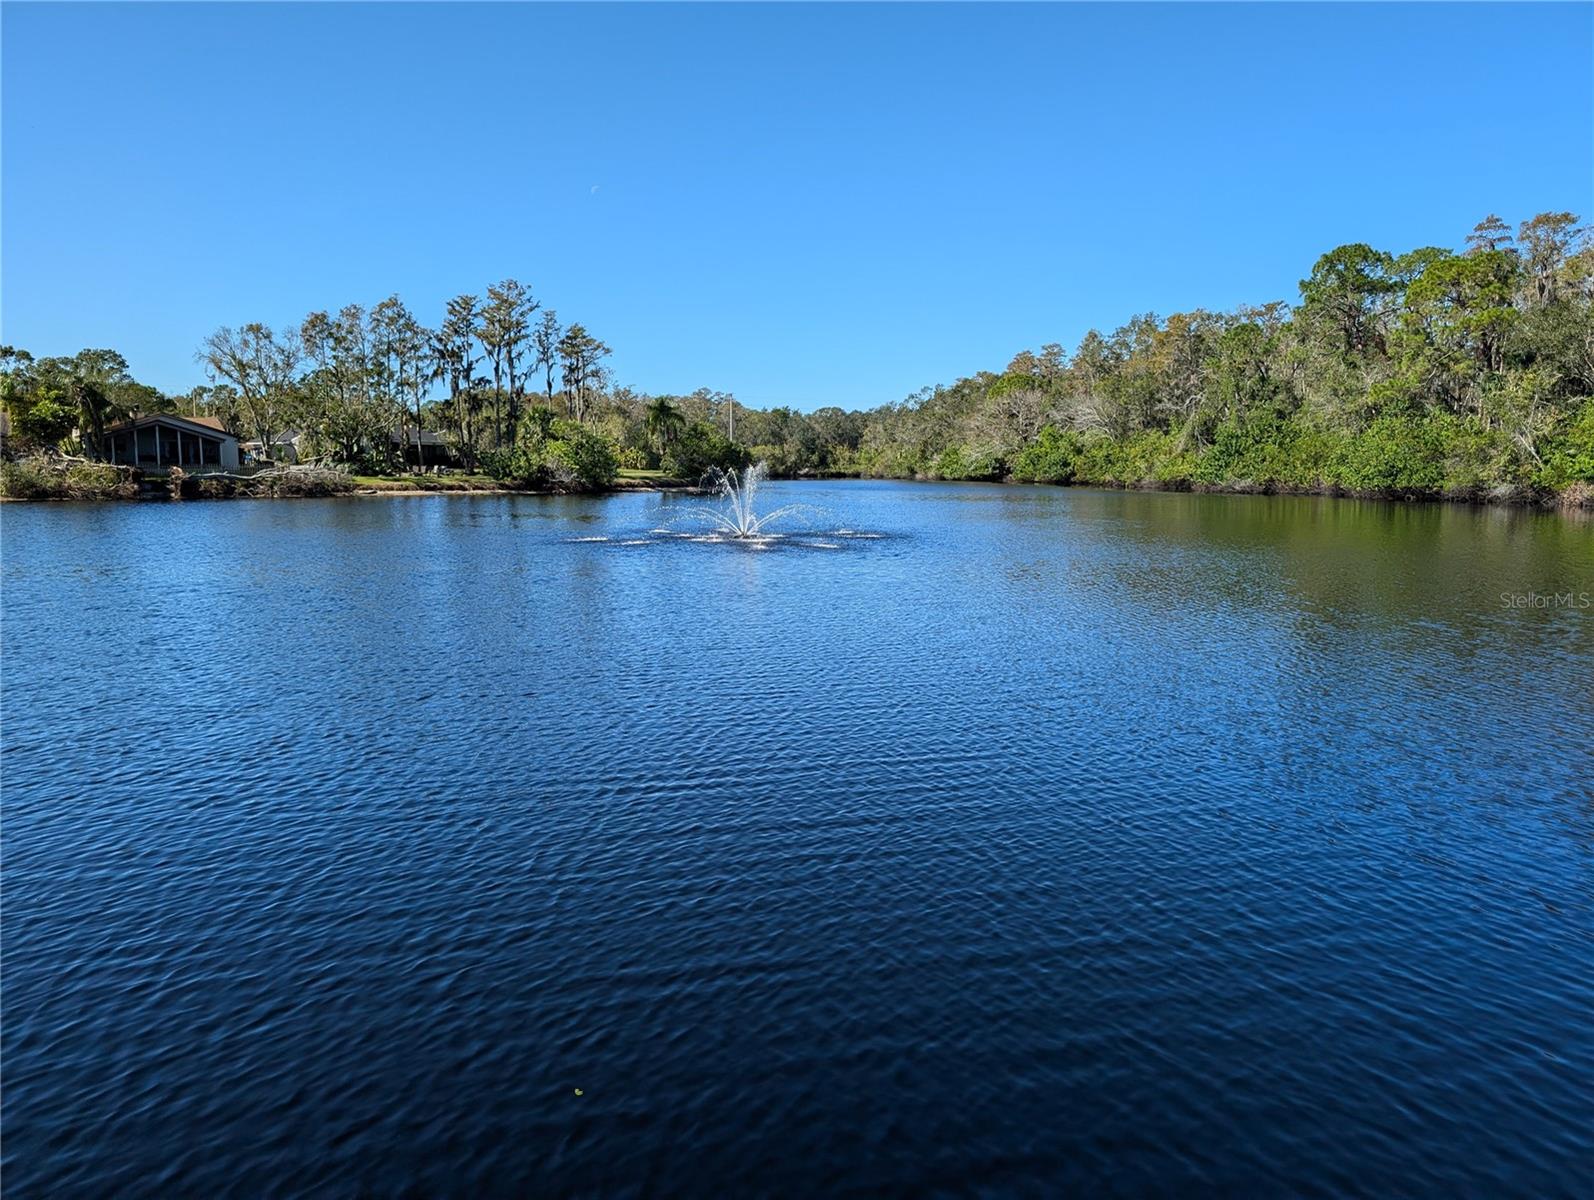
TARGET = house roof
x,y
208,425
423,437
289,438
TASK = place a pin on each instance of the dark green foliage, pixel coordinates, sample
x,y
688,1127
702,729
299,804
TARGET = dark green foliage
x,y
1152,458
555,455
67,401
963,462
42,417
1053,457
1479,460
1571,457
588,456
700,447
1344,294
1268,453
523,465
1395,456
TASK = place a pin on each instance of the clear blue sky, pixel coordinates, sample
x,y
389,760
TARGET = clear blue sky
x,y
802,205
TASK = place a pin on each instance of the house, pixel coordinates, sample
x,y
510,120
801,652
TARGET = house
x,y
160,441
284,447
422,448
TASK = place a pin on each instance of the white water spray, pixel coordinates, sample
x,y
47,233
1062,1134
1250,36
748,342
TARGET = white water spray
x,y
737,518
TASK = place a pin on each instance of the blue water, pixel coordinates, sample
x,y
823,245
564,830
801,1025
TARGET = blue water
x,y
1053,841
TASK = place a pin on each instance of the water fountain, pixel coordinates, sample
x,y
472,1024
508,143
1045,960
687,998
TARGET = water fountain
x,y
738,519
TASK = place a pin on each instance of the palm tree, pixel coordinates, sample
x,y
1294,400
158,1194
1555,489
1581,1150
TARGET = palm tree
x,y
664,423
96,381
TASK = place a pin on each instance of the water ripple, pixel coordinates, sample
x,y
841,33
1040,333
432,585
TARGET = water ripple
x,y
983,841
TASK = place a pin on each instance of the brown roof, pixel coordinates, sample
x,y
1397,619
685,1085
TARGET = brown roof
x,y
211,423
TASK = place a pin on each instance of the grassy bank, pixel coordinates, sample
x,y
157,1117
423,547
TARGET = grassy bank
x,y
46,477
623,481
410,484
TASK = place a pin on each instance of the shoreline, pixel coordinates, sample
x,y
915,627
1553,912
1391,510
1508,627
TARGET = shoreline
x,y
1578,498
1575,498
618,489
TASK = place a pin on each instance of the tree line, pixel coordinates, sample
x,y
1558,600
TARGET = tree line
x,y
1428,372
345,380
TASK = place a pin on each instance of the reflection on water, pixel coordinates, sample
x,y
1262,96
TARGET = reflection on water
x,y
969,837
790,539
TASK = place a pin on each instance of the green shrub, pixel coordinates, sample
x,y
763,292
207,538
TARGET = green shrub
x,y
1169,465
589,456
1051,458
1266,452
959,462
560,456
890,462
700,447
1394,456
1304,461
1103,460
633,458
1149,457
1477,459
1569,452
519,465
1239,452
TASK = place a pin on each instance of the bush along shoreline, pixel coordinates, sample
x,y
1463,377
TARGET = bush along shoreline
x,y
1393,458
563,470
1381,471
46,477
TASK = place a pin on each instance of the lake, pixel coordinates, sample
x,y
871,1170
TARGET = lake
x,y
1044,840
